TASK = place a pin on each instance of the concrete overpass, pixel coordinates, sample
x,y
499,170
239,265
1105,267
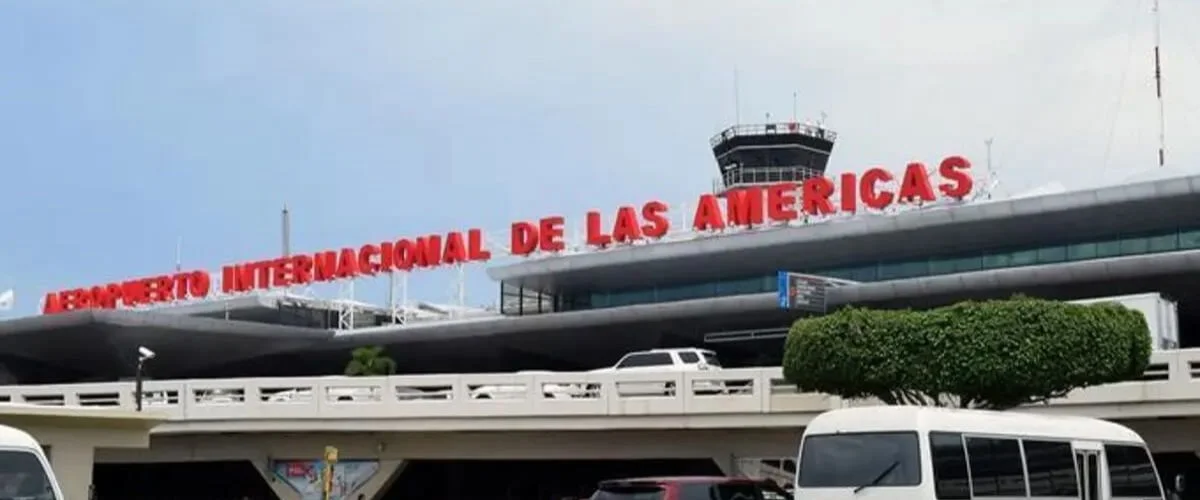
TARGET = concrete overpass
x,y
747,398
733,450
388,422
72,437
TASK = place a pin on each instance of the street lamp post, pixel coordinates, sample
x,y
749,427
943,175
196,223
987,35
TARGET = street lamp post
x,y
144,355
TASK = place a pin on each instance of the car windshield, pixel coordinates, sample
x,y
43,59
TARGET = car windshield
x,y
22,477
630,492
873,459
711,359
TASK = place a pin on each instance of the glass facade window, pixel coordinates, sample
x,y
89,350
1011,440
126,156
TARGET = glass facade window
x,y
1189,239
1081,251
1135,246
1051,254
1108,249
1023,258
1162,243
996,260
1115,246
744,286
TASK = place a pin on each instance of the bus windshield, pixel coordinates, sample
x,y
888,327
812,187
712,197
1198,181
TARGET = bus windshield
x,y
856,460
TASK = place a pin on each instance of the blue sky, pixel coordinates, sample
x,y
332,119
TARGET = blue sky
x,y
127,125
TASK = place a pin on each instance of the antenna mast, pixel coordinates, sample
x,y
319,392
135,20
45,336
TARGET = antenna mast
x,y
988,142
1162,137
179,255
287,232
737,99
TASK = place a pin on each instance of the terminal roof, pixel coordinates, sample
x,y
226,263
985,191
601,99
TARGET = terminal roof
x,y
1158,204
107,340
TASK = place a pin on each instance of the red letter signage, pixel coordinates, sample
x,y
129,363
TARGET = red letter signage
x,y
744,207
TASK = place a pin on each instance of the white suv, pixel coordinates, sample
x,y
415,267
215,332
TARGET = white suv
x,y
667,360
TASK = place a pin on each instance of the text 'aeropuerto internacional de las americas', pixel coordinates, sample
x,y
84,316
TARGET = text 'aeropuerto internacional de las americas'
x,y
750,206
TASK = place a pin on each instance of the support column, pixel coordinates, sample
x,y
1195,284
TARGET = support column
x,y
282,490
373,489
72,464
727,464
389,470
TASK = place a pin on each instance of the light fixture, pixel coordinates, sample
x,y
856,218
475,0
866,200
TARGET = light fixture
x,y
144,355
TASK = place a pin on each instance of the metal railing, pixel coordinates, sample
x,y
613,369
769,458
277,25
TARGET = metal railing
x,y
807,129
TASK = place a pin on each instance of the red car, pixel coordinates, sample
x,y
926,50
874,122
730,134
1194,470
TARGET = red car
x,y
690,488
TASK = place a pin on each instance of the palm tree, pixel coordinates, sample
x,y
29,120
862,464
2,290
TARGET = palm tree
x,y
370,361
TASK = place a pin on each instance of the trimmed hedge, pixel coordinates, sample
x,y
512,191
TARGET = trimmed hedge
x,y
992,354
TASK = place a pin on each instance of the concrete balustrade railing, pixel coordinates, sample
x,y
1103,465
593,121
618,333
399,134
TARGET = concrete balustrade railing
x,y
1170,379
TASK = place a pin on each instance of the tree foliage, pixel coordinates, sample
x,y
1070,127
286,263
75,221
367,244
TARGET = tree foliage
x,y
992,354
369,362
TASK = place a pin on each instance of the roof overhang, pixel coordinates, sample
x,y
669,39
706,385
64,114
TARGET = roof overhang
x,y
1143,206
1070,280
107,340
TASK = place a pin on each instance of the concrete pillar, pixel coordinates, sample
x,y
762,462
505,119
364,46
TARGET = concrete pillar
x,y
389,470
727,464
72,464
374,488
282,490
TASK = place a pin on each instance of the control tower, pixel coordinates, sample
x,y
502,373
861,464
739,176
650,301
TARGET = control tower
x,y
749,155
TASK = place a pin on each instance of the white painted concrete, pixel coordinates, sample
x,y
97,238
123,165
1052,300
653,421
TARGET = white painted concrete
x,y
753,398
73,435
719,444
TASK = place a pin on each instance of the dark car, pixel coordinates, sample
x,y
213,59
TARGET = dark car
x,y
690,488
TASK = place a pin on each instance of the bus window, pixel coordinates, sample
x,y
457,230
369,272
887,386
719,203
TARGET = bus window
x,y
1130,472
950,479
853,460
1051,468
996,468
22,476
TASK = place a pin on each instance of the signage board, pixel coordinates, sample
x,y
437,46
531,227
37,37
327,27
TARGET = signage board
x,y
753,206
802,292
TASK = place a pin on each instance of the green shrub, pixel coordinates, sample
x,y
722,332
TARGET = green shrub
x,y
991,354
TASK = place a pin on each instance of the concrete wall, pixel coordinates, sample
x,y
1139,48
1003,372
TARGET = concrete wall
x,y
73,435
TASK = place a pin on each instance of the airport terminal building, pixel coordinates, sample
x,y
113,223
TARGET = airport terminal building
x,y
885,239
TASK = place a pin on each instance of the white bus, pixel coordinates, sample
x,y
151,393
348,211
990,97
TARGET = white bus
x,y
914,452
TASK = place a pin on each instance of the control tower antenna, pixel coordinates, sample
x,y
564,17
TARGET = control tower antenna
x,y
287,232
988,142
737,99
1162,139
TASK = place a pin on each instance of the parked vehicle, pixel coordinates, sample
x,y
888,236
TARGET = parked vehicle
x,y
518,391
910,452
684,359
1161,313
690,488
24,469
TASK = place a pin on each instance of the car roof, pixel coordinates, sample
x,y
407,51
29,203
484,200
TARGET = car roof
x,y
681,479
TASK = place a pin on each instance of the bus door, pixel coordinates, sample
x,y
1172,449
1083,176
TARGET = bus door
x,y
1087,467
